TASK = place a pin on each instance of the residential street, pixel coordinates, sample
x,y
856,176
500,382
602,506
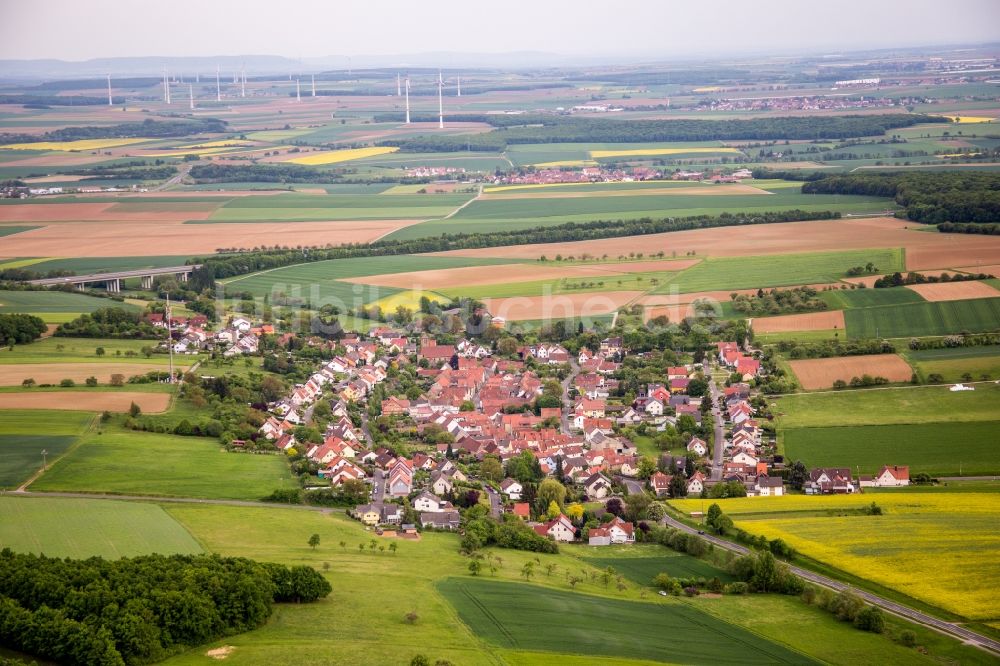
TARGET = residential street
x,y
566,384
718,445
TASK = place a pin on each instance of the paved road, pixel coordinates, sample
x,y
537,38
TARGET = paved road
x,y
955,630
378,486
496,504
718,447
574,370
119,275
633,486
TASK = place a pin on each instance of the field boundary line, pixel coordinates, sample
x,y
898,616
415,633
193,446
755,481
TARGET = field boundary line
x,y
459,209
77,443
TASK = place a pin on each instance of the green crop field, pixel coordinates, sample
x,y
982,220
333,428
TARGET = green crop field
x,y
84,350
956,362
42,302
294,207
21,455
139,463
509,615
642,570
11,230
924,404
845,299
923,319
747,272
85,265
319,282
82,528
939,449
571,285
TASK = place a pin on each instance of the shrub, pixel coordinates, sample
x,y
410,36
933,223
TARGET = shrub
x,y
67,383
870,618
691,591
736,588
908,638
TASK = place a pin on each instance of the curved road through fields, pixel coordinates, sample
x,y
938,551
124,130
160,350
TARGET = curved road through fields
x,y
954,630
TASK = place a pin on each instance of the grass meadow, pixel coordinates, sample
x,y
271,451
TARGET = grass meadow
x,y
953,363
123,462
936,547
640,568
759,271
56,302
82,528
362,621
924,319
84,350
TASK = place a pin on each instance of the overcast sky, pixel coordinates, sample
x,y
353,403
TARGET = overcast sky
x,y
79,30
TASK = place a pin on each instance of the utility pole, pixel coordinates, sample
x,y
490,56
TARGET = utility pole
x,y
170,341
45,454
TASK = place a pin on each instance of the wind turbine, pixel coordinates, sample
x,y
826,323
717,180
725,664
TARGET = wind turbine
x,y
191,95
440,101
313,84
110,103
459,85
243,81
298,91
166,87
407,99
218,85
399,90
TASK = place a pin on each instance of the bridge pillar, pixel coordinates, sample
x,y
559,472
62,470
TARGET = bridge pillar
x,y
147,282
183,276
82,286
114,286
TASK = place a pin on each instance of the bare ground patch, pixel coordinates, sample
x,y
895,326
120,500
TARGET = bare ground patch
x,y
85,401
807,321
954,291
819,373
53,373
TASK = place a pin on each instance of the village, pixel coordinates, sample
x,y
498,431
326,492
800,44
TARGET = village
x,y
479,428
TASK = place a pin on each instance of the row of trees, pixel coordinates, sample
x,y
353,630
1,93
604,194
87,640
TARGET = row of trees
x,y
138,610
148,128
778,301
575,129
897,279
110,323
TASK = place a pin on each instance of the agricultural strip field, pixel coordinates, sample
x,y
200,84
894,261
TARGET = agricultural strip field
x,y
821,373
938,449
87,401
922,404
845,299
84,350
559,306
924,319
139,463
82,528
642,570
346,155
725,273
953,363
53,373
912,548
808,321
320,282
85,265
21,445
42,302
508,616
954,291
335,207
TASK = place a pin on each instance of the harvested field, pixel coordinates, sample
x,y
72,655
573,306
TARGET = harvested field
x,y
473,276
821,373
53,373
559,306
993,269
53,212
808,321
954,291
923,250
720,190
85,401
93,239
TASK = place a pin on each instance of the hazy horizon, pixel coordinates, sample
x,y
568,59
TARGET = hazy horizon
x,y
63,30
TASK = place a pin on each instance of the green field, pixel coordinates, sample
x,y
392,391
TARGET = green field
x,y
84,350
924,319
297,207
86,265
747,272
319,282
642,570
845,299
924,404
22,440
938,449
42,302
11,230
82,528
953,363
509,616
139,463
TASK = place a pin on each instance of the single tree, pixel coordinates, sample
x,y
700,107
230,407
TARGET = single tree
x,y
314,541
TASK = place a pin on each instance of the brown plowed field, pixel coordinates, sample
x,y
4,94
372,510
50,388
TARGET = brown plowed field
x,y
807,321
95,239
449,278
954,291
993,269
85,401
53,373
923,250
560,306
821,373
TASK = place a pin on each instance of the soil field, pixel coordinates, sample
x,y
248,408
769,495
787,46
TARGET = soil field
x,y
821,373
53,373
97,401
503,274
561,306
809,321
923,250
954,291
94,239
993,269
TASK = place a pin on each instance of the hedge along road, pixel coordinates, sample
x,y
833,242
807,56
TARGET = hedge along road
x,y
949,628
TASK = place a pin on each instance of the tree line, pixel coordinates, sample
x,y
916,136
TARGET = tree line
x,y
538,128
20,328
240,262
283,173
139,610
930,198
148,128
898,279
110,323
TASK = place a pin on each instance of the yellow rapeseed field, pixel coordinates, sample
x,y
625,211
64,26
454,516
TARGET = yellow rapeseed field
x,y
640,152
408,299
221,143
83,144
334,156
937,547
565,163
